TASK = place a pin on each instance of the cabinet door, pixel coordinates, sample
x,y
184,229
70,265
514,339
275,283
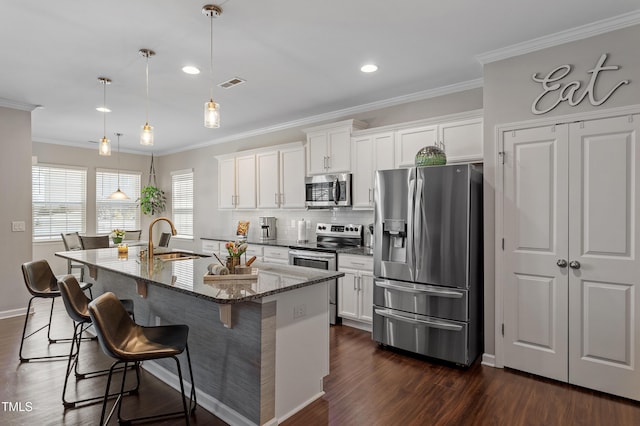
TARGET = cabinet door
x,y
267,169
535,226
362,168
409,141
339,150
384,152
246,182
292,174
317,153
226,183
462,140
366,296
348,295
604,237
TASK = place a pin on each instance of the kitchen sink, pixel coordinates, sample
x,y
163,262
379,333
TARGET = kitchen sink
x,y
177,255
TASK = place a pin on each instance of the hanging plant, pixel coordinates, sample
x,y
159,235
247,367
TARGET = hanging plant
x,y
152,199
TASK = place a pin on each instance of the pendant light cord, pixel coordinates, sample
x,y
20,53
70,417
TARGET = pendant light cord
x,y
118,134
147,55
104,105
211,55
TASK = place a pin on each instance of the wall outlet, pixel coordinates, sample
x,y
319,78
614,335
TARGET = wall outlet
x,y
299,311
158,321
18,226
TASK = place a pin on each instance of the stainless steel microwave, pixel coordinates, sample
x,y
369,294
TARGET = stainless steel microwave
x,y
328,190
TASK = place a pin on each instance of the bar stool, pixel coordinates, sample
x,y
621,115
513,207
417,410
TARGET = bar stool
x,y
127,342
76,304
42,283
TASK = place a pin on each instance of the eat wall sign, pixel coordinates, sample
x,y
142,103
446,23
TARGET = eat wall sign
x,y
556,91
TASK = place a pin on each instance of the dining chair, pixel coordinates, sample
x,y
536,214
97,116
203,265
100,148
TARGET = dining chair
x,y
94,242
132,235
72,242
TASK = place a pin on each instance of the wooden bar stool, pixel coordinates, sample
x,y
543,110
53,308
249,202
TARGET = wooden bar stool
x,y
42,283
127,342
77,306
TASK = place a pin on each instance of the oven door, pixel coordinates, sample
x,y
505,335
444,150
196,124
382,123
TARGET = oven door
x,y
320,260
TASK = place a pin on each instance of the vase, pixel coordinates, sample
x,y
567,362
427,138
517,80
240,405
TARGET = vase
x,y
232,262
117,240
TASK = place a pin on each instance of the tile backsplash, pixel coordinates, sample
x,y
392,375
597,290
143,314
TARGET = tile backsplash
x,y
287,220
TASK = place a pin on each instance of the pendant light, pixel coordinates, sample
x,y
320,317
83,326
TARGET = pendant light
x,y
211,108
146,134
118,195
105,144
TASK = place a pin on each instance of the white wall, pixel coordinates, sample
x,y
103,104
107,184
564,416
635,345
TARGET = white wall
x,y
508,94
15,169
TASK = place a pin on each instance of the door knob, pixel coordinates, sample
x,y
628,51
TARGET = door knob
x,y
561,263
574,264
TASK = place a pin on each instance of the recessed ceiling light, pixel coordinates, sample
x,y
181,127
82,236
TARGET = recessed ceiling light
x,y
103,109
369,68
189,69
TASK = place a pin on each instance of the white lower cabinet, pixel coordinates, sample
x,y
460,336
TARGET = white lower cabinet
x,y
355,290
276,255
210,246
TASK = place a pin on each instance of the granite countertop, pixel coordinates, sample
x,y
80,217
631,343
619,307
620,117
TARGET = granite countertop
x,y
360,250
187,275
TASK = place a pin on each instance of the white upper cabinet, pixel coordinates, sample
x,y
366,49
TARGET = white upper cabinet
x,y
462,140
237,182
281,176
329,147
410,141
370,153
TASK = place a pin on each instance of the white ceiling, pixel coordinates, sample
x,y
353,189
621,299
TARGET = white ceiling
x,y
301,59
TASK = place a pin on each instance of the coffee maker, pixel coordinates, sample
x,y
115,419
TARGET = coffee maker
x,y
267,228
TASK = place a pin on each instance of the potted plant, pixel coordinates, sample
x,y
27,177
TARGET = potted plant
x,y
117,235
152,199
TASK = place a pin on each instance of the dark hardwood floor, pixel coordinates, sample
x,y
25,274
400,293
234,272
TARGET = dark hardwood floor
x,y
368,385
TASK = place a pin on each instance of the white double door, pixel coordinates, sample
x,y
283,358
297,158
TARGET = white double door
x,y
571,242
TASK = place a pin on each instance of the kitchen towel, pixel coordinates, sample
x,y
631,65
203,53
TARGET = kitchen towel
x,y
215,269
302,231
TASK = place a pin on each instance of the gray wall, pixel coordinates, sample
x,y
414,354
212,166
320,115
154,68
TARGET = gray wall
x,y
509,92
15,168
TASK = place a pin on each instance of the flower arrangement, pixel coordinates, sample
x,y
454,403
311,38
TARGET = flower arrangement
x,y
236,249
117,235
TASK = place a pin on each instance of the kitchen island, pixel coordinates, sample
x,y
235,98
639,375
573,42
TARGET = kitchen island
x,y
259,347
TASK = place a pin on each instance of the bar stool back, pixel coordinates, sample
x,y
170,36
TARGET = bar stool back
x,y
77,306
42,283
127,342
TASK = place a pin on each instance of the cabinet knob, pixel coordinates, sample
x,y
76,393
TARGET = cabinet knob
x,y
561,263
574,264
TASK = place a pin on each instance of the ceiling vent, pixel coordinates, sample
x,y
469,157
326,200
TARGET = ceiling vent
x,y
232,82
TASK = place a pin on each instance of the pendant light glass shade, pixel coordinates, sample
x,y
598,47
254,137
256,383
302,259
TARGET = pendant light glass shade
x,y
211,108
105,144
211,115
146,135
118,194
146,132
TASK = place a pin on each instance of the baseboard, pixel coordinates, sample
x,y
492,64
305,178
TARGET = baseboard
x,y
299,407
205,401
357,324
14,313
489,360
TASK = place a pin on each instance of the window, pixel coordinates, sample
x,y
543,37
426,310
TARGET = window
x,y
182,202
120,214
58,201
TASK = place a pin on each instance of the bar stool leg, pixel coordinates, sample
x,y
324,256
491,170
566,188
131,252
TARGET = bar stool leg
x,y
24,331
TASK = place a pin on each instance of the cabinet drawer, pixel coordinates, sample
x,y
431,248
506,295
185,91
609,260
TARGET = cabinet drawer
x,y
363,263
209,246
276,253
442,302
254,250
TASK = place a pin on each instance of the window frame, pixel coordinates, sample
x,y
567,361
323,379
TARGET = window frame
x,y
177,198
133,194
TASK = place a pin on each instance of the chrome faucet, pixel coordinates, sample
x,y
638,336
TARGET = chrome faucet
x,y
153,222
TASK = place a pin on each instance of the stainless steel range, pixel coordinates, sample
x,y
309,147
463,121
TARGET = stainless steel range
x,y
323,254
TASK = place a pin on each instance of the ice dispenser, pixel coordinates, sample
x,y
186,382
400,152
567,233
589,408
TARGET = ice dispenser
x,y
394,240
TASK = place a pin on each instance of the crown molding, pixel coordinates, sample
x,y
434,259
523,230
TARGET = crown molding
x,y
22,106
562,37
341,113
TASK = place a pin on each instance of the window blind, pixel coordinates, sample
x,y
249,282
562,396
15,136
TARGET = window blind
x,y
117,214
182,202
58,201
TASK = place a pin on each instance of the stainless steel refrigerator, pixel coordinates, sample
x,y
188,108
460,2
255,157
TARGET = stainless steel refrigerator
x,y
428,261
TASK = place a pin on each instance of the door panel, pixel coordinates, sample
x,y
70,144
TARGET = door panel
x,y
604,321
535,230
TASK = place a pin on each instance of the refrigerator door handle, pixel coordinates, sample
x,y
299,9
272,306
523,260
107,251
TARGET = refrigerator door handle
x,y
430,291
426,323
410,227
417,228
